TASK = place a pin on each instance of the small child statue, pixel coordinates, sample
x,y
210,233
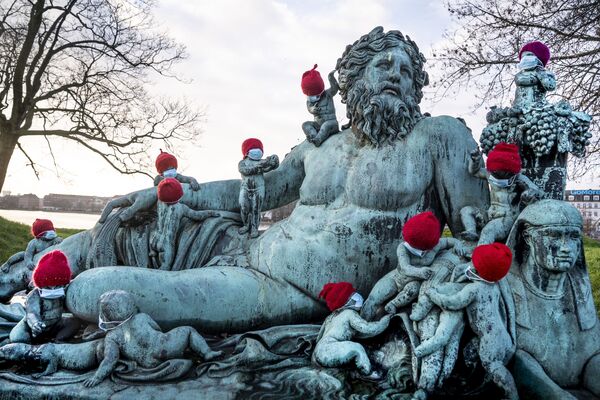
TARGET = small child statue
x,y
163,240
252,190
166,165
416,253
508,187
481,298
44,236
334,346
319,103
45,303
532,80
135,336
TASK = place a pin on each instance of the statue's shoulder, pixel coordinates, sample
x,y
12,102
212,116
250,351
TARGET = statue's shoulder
x,y
444,126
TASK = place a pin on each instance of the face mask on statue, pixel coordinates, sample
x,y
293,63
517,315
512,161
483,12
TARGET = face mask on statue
x,y
110,325
472,276
52,293
255,154
49,235
529,62
314,99
413,251
501,183
170,173
355,301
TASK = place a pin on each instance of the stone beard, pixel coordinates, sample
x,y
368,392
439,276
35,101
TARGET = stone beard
x,y
380,112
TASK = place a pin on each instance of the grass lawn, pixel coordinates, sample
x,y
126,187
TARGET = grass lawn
x,y
14,237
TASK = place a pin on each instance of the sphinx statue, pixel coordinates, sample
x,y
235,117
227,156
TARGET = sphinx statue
x,y
558,333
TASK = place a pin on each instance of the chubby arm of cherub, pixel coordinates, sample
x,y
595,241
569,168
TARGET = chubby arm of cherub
x,y
531,192
454,302
111,357
476,165
199,215
367,329
547,79
33,311
261,167
333,84
456,245
30,252
194,185
407,269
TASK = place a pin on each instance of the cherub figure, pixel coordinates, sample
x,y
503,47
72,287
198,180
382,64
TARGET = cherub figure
x,y
481,299
319,103
335,347
163,240
416,253
44,236
533,80
166,165
252,190
137,337
45,303
508,187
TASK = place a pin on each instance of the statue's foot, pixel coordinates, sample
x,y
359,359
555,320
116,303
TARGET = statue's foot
x,y
469,236
420,394
254,234
243,229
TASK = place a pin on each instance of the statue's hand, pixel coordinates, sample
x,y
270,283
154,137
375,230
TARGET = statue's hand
x,y
212,355
194,185
461,250
37,328
91,382
274,160
475,156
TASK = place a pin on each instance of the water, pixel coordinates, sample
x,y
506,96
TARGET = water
x,y
59,219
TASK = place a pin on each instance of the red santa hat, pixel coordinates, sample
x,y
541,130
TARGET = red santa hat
x,y
312,84
170,191
336,294
504,157
422,231
249,144
41,226
541,51
165,161
492,261
52,270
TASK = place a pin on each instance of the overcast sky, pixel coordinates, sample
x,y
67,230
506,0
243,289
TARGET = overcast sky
x,y
245,61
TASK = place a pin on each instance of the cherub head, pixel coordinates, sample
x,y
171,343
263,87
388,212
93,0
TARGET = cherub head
x,y
491,263
421,233
341,295
169,191
166,164
534,55
116,307
52,274
503,164
252,148
312,84
43,229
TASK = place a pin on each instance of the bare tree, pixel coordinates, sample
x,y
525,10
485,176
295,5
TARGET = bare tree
x,y
78,70
482,50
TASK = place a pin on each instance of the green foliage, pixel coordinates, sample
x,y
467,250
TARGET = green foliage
x,y
592,256
15,236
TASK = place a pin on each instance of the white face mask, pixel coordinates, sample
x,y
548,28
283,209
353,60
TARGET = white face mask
x,y
502,183
52,293
472,276
529,62
355,301
413,251
49,235
314,99
170,173
255,154
110,325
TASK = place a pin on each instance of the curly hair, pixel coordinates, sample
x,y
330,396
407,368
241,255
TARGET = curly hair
x,y
351,64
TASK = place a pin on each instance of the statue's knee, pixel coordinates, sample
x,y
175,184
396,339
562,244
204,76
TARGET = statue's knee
x,y
591,375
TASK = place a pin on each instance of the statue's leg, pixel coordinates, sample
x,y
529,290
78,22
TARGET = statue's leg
x,y
591,375
502,378
67,328
258,201
178,340
491,231
451,352
421,307
20,333
431,365
244,211
336,354
310,129
383,290
211,299
407,295
328,128
467,217
533,382
450,321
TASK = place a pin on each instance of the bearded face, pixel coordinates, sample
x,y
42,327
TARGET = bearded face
x,y
381,102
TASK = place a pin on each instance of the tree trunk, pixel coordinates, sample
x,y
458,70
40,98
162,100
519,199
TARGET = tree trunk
x,y
7,146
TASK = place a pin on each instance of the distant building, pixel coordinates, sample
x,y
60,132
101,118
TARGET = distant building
x,y
71,202
588,204
29,202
